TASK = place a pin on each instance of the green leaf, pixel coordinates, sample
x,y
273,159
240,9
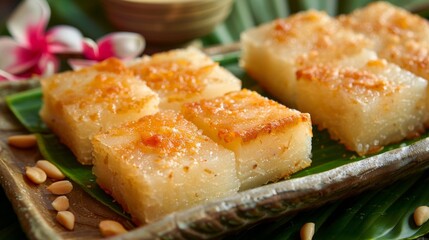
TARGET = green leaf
x,y
376,214
87,16
262,12
57,153
25,106
281,8
386,213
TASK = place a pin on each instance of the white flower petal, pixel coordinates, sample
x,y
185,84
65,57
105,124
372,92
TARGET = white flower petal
x,y
47,65
77,64
28,22
64,39
124,45
14,58
5,76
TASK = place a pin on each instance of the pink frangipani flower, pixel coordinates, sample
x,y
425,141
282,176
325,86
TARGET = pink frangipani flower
x,y
31,50
122,45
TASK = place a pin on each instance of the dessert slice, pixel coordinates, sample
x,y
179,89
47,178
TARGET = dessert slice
x,y
160,164
80,104
383,22
399,36
184,75
273,52
270,141
365,108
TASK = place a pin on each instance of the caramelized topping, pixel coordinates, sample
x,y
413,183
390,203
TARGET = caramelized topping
x,y
165,133
174,77
108,83
356,81
402,37
314,31
111,65
382,20
381,63
411,55
282,29
287,28
113,91
243,114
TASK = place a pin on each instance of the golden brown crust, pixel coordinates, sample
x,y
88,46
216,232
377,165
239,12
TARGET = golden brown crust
x,y
177,78
243,115
111,86
402,37
411,55
287,28
353,81
321,38
165,134
385,20
112,65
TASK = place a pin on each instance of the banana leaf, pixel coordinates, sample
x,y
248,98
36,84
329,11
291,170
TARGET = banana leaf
x,y
383,214
27,111
379,214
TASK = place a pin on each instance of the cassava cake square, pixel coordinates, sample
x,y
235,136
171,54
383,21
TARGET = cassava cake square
x,y
161,164
270,141
398,35
184,75
79,104
273,52
365,108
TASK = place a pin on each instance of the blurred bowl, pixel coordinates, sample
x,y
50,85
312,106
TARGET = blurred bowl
x,y
167,22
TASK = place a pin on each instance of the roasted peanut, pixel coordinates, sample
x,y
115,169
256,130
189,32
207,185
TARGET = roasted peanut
x,y
110,228
60,187
61,203
421,215
66,219
307,231
35,174
22,141
50,169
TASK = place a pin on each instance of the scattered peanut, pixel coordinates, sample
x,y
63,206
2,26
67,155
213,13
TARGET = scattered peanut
x,y
421,215
60,187
307,231
22,141
66,219
61,203
50,169
35,174
110,228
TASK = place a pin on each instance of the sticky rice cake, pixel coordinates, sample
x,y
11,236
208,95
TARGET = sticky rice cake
x,y
184,75
80,104
365,108
270,141
161,164
273,52
399,36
